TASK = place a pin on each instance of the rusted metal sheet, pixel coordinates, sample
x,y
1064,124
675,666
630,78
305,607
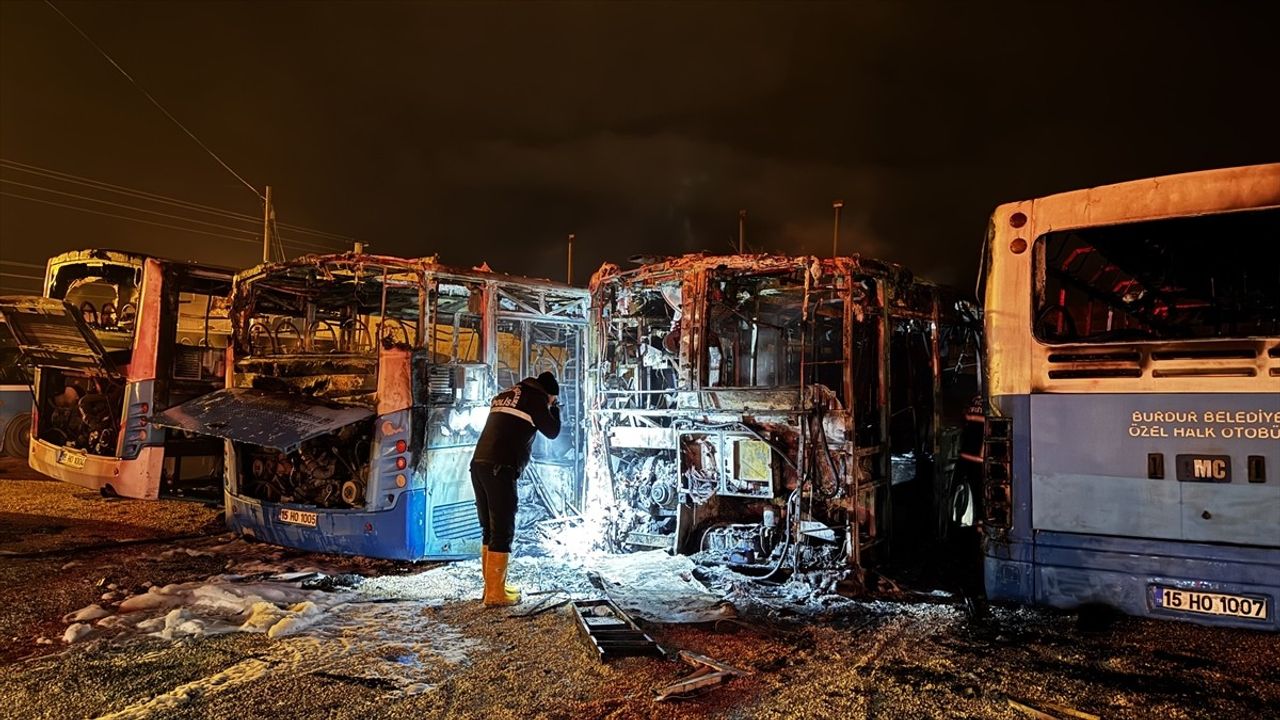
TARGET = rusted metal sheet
x,y
274,420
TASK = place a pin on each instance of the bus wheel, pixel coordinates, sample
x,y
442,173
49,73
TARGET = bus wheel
x,y
17,437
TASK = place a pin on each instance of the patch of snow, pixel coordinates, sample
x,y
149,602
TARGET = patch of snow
x,y
76,632
658,586
86,614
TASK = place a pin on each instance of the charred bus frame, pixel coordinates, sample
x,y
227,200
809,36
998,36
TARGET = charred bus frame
x,y
779,414
357,387
115,337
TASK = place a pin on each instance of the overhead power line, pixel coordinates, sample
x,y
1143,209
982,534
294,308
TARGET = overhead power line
x,y
251,233
131,219
126,207
155,197
155,102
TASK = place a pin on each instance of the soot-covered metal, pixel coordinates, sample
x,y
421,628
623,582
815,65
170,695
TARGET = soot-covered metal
x,y
780,415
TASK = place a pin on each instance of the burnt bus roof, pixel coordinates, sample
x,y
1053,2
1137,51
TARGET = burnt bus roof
x,y
300,271
653,269
132,258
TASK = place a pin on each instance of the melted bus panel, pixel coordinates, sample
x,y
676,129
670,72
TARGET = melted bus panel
x,y
779,414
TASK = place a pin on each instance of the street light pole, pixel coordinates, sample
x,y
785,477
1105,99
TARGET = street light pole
x,y
569,271
835,231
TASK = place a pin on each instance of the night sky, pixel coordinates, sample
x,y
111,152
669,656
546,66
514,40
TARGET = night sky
x,y
487,132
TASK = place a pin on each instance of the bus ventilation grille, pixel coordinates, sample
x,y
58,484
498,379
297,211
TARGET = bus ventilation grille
x,y
440,384
188,362
455,521
1081,365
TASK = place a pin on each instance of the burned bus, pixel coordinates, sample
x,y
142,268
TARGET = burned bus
x,y
1133,398
357,386
780,414
115,338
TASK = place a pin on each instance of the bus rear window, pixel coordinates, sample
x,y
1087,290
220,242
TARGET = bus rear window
x,y
1190,278
107,297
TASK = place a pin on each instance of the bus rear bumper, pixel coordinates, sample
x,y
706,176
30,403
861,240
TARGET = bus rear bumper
x,y
135,478
1065,571
397,533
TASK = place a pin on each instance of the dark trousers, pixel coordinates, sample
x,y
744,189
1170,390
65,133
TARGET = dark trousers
x,y
495,488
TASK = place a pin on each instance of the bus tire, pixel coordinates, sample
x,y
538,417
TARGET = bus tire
x,y
17,436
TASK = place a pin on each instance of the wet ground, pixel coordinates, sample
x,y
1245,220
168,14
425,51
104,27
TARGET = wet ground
x,y
412,642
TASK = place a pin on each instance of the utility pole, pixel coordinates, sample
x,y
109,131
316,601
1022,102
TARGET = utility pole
x,y
742,231
266,226
569,273
835,231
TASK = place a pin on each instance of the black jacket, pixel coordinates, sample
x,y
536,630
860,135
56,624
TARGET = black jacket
x,y
514,416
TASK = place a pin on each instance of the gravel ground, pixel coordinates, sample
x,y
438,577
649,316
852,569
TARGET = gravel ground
x,y
415,657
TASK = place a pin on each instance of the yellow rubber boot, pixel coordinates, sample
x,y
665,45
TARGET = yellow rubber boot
x,y
484,563
496,593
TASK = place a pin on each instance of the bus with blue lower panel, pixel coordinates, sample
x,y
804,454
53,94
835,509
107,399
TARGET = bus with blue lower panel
x,y
357,387
1131,449
114,338
15,402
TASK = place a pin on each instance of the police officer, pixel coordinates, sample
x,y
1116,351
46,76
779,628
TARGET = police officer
x,y
501,454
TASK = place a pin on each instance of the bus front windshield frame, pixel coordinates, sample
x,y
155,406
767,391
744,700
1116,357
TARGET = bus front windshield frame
x,y
1204,277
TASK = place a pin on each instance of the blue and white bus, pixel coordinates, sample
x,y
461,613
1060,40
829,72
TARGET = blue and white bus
x,y
356,389
1132,436
15,402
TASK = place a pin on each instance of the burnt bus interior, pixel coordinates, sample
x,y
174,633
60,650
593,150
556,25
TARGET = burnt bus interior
x,y
87,409
315,331
1189,278
781,415
326,327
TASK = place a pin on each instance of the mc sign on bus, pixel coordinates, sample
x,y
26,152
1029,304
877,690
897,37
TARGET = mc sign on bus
x,y
1204,468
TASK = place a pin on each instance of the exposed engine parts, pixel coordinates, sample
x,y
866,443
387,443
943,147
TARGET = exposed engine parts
x,y
328,471
85,415
757,412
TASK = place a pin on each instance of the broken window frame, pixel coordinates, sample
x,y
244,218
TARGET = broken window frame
x,y
819,455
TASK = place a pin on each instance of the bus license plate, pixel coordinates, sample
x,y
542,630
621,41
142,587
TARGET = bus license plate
x,y
71,459
298,517
1207,603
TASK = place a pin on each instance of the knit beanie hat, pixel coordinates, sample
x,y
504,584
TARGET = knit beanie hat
x,y
548,383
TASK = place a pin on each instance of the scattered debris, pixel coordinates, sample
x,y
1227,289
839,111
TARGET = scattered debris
x,y
708,673
611,632
1038,714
